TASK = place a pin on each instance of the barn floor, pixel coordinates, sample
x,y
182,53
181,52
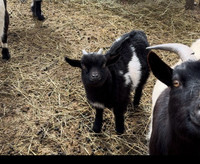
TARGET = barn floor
x,y
43,107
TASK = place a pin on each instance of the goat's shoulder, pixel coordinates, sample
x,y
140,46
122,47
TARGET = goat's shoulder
x,y
160,136
160,116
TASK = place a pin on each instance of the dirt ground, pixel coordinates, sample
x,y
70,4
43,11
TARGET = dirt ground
x,y
43,107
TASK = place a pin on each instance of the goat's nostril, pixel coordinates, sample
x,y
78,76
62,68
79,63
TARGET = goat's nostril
x,y
95,74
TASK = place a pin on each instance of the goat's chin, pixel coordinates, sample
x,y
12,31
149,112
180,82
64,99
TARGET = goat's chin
x,y
96,83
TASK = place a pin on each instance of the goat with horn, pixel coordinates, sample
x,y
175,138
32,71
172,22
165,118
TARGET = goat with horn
x,y
175,120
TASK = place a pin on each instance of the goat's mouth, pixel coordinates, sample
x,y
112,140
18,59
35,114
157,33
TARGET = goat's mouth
x,y
97,82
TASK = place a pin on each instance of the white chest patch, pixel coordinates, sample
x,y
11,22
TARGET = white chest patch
x,y
97,105
2,16
134,71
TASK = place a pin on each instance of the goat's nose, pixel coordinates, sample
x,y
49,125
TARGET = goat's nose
x,y
95,76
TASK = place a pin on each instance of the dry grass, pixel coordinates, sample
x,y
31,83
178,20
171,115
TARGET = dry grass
x,y
43,107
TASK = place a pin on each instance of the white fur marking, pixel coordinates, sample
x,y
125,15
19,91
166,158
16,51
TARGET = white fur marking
x,y
97,105
134,70
4,45
2,18
32,3
127,78
120,72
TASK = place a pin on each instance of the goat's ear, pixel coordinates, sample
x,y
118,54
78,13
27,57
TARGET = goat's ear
x,y
111,59
160,69
73,63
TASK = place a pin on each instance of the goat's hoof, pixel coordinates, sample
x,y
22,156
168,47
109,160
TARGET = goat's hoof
x,y
96,129
120,131
5,54
135,104
40,17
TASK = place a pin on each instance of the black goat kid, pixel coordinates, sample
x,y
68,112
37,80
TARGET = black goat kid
x,y
108,79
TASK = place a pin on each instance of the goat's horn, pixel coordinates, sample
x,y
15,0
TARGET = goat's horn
x,y
84,52
184,52
100,51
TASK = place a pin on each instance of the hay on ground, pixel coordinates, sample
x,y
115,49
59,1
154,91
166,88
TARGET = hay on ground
x,y
43,107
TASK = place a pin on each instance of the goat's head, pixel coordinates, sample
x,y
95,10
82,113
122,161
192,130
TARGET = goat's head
x,y
184,83
94,66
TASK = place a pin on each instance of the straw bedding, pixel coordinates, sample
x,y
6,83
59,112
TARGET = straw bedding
x,y
43,107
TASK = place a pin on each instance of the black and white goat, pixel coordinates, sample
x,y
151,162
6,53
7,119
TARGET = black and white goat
x,y
4,22
108,79
176,113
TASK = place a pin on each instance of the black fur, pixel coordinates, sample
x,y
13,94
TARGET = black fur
x,y
176,121
36,10
103,82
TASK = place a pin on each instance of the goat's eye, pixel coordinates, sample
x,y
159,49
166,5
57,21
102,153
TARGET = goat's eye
x,y
176,83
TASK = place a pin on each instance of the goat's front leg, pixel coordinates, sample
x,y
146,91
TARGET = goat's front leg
x,y
119,118
98,120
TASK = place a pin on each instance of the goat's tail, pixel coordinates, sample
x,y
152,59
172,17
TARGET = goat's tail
x,y
196,48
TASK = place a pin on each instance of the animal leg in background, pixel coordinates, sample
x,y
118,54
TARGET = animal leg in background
x,y
5,51
36,9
